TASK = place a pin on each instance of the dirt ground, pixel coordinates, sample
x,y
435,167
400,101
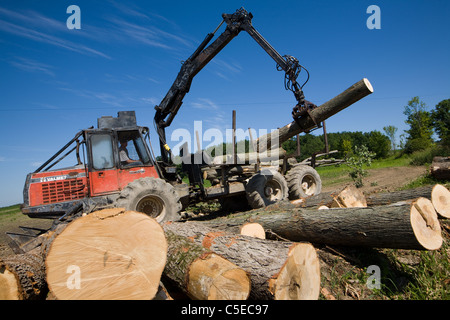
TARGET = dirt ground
x,y
385,179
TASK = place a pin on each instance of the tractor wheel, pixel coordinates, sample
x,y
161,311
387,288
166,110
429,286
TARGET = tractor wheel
x,y
303,181
266,188
151,196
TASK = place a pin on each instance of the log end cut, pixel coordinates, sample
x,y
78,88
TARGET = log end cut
x,y
299,278
368,85
110,254
254,230
9,286
440,197
425,224
215,278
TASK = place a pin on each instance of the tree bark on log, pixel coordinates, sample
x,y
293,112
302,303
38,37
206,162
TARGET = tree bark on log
x,y
22,277
202,274
399,226
278,270
385,198
440,168
440,197
108,254
354,93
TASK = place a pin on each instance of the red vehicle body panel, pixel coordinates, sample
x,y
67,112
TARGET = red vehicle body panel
x,y
57,186
73,184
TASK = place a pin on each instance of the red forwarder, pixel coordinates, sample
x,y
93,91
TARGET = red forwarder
x,y
103,179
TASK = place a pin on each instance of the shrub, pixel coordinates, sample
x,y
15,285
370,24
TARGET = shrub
x,y
362,156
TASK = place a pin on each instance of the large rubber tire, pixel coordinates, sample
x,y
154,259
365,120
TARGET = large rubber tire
x,y
152,196
303,181
266,188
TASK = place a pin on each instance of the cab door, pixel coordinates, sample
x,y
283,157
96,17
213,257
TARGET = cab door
x,y
103,178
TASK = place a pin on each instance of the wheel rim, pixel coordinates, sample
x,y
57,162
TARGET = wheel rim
x,y
308,185
152,206
273,191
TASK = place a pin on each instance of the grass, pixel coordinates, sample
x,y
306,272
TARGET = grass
x,y
10,210
10,213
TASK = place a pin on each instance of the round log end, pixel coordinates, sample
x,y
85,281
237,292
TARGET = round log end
x,y
425,224
440,197
9,285
215,278
299,278
111,254
368,85
254,230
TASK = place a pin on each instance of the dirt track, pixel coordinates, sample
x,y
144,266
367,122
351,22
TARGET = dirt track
x,y
385,179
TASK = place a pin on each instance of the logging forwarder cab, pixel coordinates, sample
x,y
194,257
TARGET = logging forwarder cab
x,y
100,179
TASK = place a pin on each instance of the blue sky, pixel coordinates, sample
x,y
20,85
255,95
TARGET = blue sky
x,y
55,81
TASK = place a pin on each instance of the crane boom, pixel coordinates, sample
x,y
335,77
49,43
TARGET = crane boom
x,y
236,22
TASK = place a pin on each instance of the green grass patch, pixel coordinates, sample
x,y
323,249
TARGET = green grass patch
x,y
10,210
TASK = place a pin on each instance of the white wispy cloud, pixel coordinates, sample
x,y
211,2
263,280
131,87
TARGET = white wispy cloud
x,y
30,65
49,39
229,66
36,164
205,104
129,25
47,28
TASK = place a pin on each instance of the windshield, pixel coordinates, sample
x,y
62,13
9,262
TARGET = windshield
x,y
132,149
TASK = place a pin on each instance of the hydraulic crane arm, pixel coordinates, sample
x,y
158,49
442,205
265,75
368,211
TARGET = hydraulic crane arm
x,y
236,22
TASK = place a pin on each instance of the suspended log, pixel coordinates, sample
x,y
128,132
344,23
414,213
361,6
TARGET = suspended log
x,y
305,123
440,197
399,226
278,270
109,254
202,274
22,277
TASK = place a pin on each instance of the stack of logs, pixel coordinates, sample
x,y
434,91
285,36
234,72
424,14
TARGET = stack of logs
x,y
118,254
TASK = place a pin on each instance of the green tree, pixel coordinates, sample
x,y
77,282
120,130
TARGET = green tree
x,y
390,132
420,126
440,118
379,144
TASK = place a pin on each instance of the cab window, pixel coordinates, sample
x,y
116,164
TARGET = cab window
x,y
102,151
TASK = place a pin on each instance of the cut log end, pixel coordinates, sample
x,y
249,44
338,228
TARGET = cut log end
x,y
425,224
368,84
299,278
440,197
215,278
112,254
254,230
9,286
